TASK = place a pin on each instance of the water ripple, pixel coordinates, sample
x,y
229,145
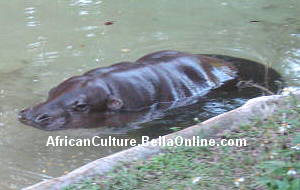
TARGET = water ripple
x,y
30,17
84,12
82,2
85,2
89,27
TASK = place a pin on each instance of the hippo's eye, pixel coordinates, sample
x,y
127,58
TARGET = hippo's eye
x,y
81,108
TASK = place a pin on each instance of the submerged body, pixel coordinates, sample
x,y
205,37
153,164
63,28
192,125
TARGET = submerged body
x,y
164,80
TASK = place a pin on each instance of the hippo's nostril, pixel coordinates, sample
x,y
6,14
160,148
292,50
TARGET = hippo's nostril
x,y
22,114
42,118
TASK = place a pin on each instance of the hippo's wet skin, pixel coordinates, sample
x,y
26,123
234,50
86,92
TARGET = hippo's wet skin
x,y
161,80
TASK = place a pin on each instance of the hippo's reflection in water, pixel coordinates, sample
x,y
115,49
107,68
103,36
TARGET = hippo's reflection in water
x,y
144,90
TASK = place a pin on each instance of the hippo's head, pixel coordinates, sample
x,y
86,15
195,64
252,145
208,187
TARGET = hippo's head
x,y
71,100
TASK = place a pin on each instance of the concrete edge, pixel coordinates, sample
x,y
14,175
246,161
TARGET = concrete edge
x,y
261,106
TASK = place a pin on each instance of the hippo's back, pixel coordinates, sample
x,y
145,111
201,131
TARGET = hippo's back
x,y
164,76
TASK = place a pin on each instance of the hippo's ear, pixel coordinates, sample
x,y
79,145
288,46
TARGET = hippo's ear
x,y
114,103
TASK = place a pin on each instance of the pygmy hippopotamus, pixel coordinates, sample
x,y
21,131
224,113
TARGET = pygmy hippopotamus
x,y
165,79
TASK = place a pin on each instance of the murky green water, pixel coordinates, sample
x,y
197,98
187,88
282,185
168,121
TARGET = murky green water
x,y
44,42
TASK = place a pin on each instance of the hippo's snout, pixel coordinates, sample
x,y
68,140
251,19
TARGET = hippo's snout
x,y
28,116
42,120
22,115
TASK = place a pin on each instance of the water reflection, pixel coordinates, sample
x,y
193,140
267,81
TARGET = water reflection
x,y
30,17
89,27
82,2
292,65
85,6
84,12
160,36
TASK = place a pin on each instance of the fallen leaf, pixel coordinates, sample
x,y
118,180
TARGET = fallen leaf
x,y
107,23
125,50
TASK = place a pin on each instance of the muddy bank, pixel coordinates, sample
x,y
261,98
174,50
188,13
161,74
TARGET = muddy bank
x,y
261,106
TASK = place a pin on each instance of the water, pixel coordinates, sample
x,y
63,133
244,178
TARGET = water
x,y
46,42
